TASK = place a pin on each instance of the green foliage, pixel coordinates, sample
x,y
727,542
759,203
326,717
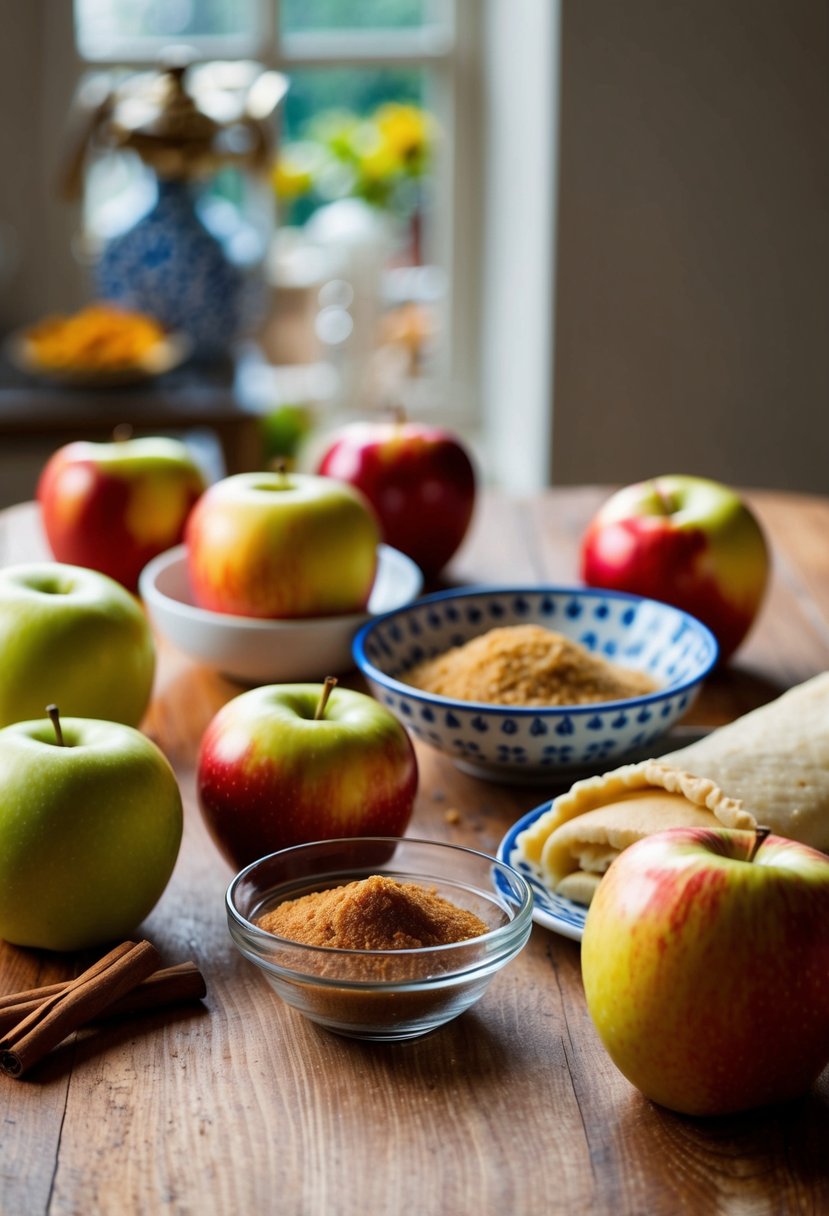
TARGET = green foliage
x,y
377,152
284,429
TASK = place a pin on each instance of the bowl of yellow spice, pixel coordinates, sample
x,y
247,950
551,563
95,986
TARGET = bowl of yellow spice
x,y
523,684
101,345
380,938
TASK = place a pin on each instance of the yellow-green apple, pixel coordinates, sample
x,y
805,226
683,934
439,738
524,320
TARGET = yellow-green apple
x,y
279,766
75,637
419,479
688,541
90,827
114,506
705,961
281,544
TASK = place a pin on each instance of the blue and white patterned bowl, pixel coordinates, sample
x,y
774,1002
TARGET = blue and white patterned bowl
x,y
518,744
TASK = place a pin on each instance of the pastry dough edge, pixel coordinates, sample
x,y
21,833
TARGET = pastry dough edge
x,y
594,792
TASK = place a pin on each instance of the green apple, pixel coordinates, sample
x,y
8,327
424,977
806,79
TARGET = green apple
x,y
73,637
285,764
688,541
90,829
282,545
705,961
114,506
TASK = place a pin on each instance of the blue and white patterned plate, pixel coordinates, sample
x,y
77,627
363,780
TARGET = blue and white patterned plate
x,y
550,910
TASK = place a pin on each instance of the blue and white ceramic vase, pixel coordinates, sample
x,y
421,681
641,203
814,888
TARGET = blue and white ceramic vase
x,y
170,264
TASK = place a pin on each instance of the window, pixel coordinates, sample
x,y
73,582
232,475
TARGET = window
x,y
346,63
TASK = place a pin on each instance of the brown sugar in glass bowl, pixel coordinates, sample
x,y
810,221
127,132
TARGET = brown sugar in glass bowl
x,y
376,913
381,993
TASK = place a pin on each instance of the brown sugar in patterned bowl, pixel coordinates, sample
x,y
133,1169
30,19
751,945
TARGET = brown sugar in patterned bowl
x,y
540,742
381,994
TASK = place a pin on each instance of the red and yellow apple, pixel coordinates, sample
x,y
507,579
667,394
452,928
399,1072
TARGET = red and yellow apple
x,y
419,479
114,506
281,545
272,773
687,541
705,960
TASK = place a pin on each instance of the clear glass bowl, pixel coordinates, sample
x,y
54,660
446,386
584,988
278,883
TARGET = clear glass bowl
x,y
381,994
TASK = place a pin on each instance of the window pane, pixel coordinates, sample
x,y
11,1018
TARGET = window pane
x,y
354,185
357,90
299,15
356,132
102,24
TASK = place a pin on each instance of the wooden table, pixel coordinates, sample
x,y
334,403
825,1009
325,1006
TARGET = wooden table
x,y
514,1107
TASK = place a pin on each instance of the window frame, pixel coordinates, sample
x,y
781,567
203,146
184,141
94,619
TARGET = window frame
x,y
499,386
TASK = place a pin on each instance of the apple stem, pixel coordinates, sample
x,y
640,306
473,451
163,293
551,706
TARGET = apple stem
x,y
327,688
760,834
54,718
665,499
122,432
280,467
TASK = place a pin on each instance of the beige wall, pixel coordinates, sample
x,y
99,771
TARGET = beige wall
x,y
692,303
37,78
37,270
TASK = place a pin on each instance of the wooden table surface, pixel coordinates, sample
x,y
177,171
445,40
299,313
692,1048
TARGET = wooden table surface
x,y
245,1107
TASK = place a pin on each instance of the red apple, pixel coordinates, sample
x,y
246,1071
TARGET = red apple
x,y
687,541
419,479
272,773
705,961
113,506
282,545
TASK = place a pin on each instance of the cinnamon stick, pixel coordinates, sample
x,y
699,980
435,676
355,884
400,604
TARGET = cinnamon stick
x,y
169,986
83,999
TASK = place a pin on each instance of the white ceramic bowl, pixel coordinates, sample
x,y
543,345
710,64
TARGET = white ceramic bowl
x,y
517,744
257,651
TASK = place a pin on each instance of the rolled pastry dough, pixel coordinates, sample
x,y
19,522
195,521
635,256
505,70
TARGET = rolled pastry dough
x,y
770,766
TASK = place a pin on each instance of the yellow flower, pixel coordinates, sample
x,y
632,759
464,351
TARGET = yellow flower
x,y
407,131
293,174
289,181
380,162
